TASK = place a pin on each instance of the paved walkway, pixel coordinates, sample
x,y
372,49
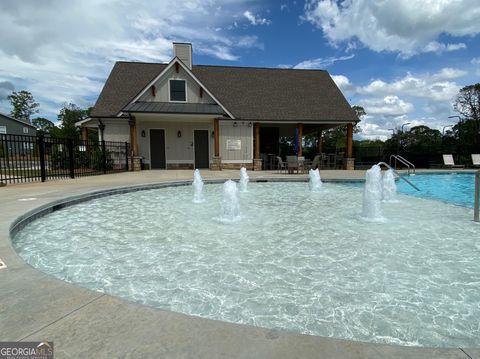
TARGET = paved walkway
x,y
82,323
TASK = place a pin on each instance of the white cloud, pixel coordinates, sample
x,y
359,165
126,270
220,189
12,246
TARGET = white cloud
x,y
321,63
342,82
475,61
439,47
372,131
436,87
448,73
388,106
256,20
417,98
6,88
63,51
404,26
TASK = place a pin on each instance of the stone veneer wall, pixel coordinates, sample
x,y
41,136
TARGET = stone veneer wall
x,y
237,166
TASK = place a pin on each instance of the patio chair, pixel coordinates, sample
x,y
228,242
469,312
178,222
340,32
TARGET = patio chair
x,y
303,164
476,160
292,164
281,166
448,162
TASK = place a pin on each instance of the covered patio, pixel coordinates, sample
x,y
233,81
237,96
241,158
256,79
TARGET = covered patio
x,y
273,140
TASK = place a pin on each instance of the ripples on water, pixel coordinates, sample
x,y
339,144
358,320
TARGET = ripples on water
x,y
297,260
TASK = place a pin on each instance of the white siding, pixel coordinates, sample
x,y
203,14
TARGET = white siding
x,y
162,88
178,149
242,132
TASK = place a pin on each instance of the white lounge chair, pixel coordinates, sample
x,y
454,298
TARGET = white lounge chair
x,y
448,162
476,159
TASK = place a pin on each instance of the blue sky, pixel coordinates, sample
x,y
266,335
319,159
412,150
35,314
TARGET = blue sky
x,y
402,60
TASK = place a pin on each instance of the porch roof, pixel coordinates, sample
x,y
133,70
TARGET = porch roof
x,y
169,107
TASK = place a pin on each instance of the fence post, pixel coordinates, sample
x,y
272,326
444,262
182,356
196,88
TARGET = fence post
x,y
477,197
104,157
126,156
71,158
41,154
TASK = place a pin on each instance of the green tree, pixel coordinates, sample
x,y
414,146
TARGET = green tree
x,y
421,145
464,140
23,105
360,111
68,116
43,125
467,104
335,139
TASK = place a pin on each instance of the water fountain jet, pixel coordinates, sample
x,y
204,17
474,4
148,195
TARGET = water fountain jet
x,y
230,203
243,179
315,183
372,194
197,187
389,187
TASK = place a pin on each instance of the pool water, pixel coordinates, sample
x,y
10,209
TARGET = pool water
x,y
298,261
456,188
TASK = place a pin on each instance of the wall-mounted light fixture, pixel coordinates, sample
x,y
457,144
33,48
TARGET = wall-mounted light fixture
x,y
179,133
143,133
249,124
235,124
213,134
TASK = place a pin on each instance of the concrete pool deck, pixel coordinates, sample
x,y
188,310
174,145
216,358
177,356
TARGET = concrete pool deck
x,y
82,323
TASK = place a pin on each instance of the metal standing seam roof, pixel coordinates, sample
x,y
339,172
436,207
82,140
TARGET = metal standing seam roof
x,y
249,93
169,107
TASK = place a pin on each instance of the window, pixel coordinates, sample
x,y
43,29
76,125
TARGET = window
x,y
25,130
177,90
3,130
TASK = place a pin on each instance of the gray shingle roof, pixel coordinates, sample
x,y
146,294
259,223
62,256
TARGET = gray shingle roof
x,y
172,107
248,93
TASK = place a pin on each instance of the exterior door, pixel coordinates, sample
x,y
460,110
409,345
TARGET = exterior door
x,y
157,149
200,139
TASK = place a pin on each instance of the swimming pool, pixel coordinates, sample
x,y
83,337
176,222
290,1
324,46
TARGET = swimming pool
x,y
456,188
296,260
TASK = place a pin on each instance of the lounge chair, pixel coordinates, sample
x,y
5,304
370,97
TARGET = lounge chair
x,y
476,160
448,162
281,166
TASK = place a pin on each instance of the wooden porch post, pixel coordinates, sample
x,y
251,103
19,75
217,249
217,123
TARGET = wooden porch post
x,y
257,141
319,141
85,134
349,140
349,160
300,139
257,161
136,164
216,164
216,134
133,136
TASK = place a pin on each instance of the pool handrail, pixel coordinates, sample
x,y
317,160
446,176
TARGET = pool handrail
x,y
402,160
398,174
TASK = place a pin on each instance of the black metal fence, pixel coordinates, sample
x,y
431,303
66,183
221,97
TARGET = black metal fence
x,y
30,158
